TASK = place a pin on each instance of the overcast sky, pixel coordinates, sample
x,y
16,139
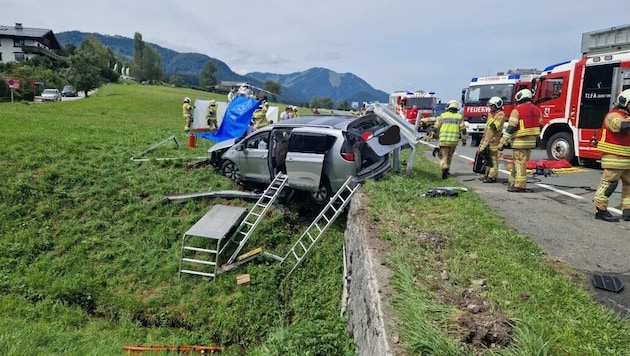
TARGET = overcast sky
x,y
392,44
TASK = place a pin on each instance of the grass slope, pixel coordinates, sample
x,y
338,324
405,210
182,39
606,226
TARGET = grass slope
x,y
89,259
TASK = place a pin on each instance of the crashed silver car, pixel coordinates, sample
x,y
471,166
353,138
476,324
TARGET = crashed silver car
x,y
317,152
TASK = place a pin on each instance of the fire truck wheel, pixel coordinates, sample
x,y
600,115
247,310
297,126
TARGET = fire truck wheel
x,y
560,146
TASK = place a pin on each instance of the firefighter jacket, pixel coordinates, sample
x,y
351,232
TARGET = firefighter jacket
x,y
494,130
451,127
212,112
525,121
187,110
260,118
613,143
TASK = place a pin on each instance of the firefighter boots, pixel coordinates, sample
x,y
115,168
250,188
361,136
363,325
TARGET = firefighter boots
x,y
606,216
626,214
444,173
489,180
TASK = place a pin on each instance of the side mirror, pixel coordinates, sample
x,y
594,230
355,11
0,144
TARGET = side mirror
x,y
240,147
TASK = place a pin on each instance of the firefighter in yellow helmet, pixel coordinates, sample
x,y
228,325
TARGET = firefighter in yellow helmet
x,y
187,111
212,115
492,137
450,128
523,130
614,144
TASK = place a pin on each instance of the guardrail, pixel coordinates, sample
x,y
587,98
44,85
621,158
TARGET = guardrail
x,y
408,131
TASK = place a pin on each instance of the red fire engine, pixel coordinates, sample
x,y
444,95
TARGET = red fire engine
x,y
575,96
481,89
403,102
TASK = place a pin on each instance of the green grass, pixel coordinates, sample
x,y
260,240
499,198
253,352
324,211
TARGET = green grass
x,y
89,259
547,307
89,255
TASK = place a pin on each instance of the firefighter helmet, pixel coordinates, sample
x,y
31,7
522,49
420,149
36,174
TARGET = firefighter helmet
x,y
187,100
452,104
523,95
624,98
496,101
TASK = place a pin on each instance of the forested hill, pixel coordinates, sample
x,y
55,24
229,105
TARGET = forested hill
x,y
296,87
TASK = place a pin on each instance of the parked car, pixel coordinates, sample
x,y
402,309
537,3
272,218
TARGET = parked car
x,y
317,152
68,91
51,95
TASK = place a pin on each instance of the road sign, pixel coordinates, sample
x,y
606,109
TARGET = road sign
x,y
13,83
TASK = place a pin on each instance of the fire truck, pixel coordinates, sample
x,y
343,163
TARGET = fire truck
x,y
574,96
402,103
481,89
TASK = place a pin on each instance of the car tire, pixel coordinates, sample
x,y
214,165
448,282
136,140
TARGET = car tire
x,y
323,194
231,170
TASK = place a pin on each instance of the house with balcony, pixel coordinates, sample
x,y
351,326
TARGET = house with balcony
x,y
19,43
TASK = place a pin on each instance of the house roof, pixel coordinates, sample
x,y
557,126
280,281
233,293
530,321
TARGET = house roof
x,y
43,35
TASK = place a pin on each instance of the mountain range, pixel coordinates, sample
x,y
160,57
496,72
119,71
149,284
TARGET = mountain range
x,y
298,87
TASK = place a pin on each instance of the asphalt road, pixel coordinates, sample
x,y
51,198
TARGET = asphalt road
x,y
559,216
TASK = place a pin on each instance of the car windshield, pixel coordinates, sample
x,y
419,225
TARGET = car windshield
x,y
68,88
49,91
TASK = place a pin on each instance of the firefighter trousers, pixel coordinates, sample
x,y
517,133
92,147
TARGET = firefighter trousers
x,y
518,176
610,176
493,172
446,156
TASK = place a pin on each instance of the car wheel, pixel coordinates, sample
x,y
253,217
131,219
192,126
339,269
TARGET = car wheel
x,y
323,194
231,170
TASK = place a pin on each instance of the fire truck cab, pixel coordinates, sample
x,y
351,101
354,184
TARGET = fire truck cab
x,y
481,89
413,105
574,96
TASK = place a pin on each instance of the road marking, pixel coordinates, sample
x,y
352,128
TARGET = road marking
x,y
545,186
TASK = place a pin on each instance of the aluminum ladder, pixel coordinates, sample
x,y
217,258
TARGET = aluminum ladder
x,y
255,215
316,229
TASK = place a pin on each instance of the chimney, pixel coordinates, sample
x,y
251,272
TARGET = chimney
x,y
18,25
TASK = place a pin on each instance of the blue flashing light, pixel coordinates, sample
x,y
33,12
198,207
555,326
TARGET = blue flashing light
x,y
514,76
431,93
554,65
474,79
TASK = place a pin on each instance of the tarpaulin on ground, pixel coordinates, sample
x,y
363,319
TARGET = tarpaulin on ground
x,y
235,121
548,163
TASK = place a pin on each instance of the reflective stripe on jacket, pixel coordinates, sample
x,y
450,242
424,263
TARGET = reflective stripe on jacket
x,y
616,143
529,120
450,126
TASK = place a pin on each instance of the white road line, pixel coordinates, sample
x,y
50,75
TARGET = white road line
x,y
545,186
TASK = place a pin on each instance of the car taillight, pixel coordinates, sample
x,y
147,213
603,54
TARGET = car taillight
x,y
348,156
366,136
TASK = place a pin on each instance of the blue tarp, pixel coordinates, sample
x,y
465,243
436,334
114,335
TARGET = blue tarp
x,y
237,117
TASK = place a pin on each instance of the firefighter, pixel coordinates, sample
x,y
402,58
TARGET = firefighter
x,y
212,115
614,144
260,116
294,112
492,137
450,127
187,111
523,130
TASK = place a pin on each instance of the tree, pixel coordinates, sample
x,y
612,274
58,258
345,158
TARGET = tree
x,y
90,66
206,77
138,53
343,105
273,87
176,80
152,64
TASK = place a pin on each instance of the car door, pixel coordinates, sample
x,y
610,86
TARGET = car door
x,y
305,157
253,161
